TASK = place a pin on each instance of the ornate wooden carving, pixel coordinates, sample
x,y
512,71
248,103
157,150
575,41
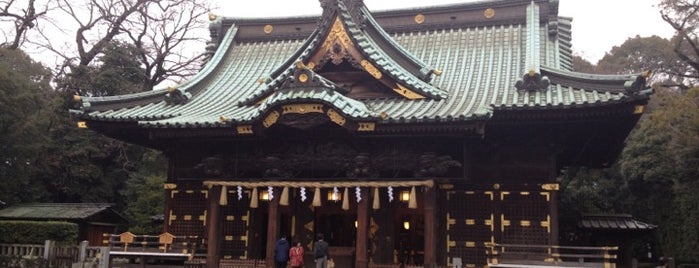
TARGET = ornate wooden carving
x,y
211,166
360,167
430,164
275,167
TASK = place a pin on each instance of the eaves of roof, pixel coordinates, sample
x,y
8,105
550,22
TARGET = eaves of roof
x,y
480,66
55,211
616,222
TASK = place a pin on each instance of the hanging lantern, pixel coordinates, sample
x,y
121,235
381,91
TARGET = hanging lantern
x,y
345,200
223,200
413,200
316,198
284,200
253,198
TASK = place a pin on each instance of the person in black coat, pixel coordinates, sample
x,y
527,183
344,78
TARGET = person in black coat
x,y
281,252
321,252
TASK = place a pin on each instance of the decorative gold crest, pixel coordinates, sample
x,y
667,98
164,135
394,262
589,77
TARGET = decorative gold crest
x,y
407,92
550,186
366,126
303,78
419,19
489,13
244,129
268,29
336,117
371,69
271,119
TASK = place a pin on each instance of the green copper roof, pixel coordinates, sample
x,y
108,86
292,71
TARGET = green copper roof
x,y
480,59
55,211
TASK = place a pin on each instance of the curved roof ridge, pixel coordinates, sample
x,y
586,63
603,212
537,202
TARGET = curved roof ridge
x,y
382,59
140,98
348,106
425,70
550,71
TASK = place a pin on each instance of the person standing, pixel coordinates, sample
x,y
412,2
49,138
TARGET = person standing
x,y
320,252
281,252
296,255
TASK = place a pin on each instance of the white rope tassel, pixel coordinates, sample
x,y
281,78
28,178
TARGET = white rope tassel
x,y
377,202
223,200
345,200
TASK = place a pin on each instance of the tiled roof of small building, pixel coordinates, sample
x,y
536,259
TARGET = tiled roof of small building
x,y
53,211
613,222
480,60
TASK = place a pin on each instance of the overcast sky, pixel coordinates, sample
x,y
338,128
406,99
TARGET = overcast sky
x,y
598,25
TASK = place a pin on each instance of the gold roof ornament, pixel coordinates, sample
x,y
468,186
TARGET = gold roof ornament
x,y
268,29
77,98
489,13
171,89
437,72
223,119
212,16
419,19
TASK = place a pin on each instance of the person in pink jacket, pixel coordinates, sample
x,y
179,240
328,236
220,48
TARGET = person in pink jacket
x,y
296,255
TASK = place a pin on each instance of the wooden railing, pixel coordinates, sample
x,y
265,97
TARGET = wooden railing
x,y
508,255
143,247
236,263
21,255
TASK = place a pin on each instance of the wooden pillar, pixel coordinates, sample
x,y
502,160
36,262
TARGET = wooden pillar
x,y
212,227
272,229
360,248
553,236
430,227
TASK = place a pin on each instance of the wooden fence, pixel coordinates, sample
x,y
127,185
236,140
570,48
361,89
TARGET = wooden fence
x,y
51,255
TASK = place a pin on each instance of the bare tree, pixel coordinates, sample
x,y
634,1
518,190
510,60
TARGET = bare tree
x,y
162,33
162,30
683,16
23,17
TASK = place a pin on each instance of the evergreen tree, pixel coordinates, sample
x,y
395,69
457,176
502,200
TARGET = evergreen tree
x,y
25,104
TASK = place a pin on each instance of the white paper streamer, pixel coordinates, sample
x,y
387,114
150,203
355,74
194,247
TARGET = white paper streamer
x,y
390,194
270,189
358,193
336,193
303,194
240,192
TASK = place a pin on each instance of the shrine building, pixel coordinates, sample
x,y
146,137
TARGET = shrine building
x,y
414,136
